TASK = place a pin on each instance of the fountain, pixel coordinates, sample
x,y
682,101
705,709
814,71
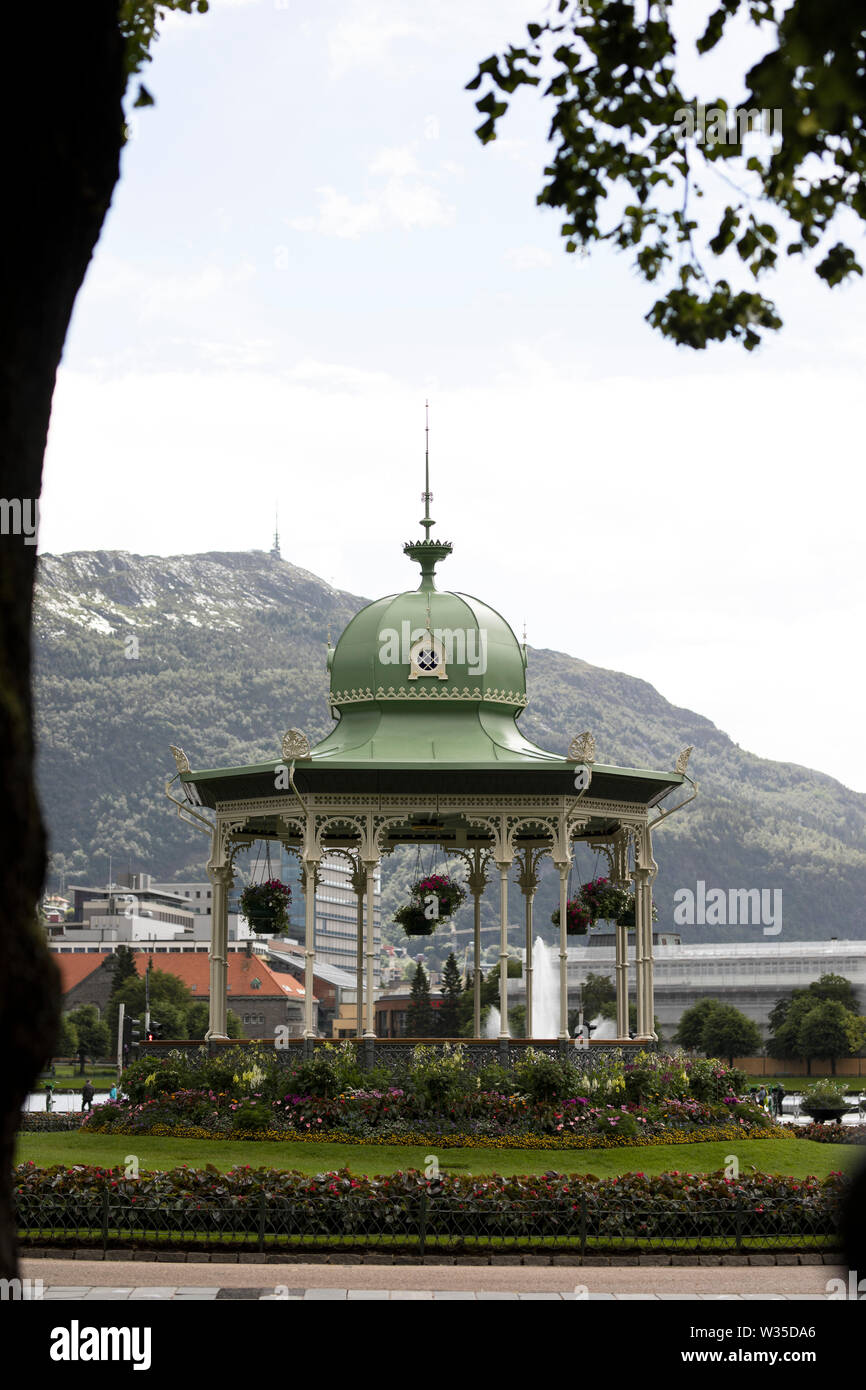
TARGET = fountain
x,y
493,1023
545,991
603,1027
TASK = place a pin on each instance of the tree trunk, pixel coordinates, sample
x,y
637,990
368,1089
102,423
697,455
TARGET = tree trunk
x,y
63,123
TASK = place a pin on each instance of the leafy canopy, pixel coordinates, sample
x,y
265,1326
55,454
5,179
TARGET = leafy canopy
x,y
632,149
139,22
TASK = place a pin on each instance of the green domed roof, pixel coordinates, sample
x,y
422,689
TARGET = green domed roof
x,y
469,651
428,676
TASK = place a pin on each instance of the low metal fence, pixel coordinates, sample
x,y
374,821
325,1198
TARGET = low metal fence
x,y
423,1222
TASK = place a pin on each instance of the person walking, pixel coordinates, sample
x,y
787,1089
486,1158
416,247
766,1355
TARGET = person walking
x,y
778,1097
112,1094
49,1099
87,1094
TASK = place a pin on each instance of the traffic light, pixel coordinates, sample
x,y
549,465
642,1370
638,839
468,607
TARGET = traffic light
x,y
155,1030
131,1035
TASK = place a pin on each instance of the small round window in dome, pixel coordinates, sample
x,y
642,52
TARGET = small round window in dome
x,y
427,657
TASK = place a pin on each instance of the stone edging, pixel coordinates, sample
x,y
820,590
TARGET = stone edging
x,y
248,1257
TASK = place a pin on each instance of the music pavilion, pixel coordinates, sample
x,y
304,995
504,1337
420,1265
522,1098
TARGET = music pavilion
x,y
427,688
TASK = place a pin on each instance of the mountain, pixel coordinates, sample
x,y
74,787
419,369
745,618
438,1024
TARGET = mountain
x,y
221,653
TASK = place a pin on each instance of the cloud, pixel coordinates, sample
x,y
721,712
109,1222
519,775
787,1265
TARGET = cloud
x,y
338,216
395,162
408,199
527,258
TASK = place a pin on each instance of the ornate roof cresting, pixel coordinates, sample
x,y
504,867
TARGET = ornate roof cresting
x,y
582,748
180,758
683,759
295,745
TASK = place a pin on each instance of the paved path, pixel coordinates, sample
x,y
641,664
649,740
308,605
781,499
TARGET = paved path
x,y
122,1280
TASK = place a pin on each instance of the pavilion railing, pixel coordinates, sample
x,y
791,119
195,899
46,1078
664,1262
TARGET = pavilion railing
x,y
477,1052
422,1223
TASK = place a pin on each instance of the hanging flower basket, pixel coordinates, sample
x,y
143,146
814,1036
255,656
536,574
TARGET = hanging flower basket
x,y
626,918
266,905
414,921
419,917
577,918
604,900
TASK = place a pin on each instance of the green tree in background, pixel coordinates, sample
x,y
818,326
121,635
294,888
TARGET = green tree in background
x,y
419,1013
170,1001
122,967
198,1021
690,1030
729,1033
829,1030
489,995
67,1038
825,1013
634,153
595,991
94,1038
448,1020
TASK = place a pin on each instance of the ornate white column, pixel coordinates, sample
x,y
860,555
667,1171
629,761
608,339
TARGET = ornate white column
x,y
477,882
370,866
359,883
503,865
620,875
563,865
222,878
528,882
643,936
311,874
650,966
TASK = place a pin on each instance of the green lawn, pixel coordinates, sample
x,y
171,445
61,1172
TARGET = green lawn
x,y
794,1084
68,1078
796,1157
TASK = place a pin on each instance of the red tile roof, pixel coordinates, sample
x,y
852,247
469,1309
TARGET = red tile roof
x,y
75,968
193,967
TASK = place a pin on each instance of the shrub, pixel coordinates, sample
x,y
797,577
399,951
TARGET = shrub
x,y
251,1114
152,1076
617,1122
545,1079
710,1079
316,1076
439,1076
494,1077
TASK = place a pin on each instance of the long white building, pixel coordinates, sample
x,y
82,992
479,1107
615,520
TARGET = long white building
x,y
751,976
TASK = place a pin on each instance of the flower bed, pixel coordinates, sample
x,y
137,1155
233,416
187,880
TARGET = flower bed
x,y
479,1117
255,1203
649,1099
829,1133
52,1122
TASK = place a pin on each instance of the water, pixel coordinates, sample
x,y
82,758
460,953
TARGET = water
x,y
64,1101
603,1028
493,1023
545,991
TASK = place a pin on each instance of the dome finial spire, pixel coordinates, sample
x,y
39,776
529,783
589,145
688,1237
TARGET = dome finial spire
x,y
427,552
427,496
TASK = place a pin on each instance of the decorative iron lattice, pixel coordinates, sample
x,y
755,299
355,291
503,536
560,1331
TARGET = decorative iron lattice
x,y
399,1051
423,1222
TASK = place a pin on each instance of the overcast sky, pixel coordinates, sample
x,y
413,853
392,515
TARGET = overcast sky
x,y
308,239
